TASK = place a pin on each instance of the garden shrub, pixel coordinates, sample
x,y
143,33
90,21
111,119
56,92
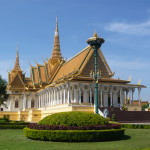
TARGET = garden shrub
x,y
114,118
74,135
5,123
74,119
2,121
6,117
12,126
136,126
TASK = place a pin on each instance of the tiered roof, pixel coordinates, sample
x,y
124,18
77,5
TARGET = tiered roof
x,y
56,71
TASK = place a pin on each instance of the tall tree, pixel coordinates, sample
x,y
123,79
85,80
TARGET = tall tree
x,y
3,92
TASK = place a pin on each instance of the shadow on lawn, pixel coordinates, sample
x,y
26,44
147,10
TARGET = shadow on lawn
x,y
126,137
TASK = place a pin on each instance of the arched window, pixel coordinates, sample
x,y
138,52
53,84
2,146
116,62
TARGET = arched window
x,y
32,104
16,104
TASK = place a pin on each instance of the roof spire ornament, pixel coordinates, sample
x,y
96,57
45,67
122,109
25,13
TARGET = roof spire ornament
x,y
17,65
56,53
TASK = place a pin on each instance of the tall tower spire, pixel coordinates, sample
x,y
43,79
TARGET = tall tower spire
x,y
56,53
17,65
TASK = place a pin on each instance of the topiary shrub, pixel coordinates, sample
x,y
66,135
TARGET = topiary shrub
x,y
114,118
74,119
74,127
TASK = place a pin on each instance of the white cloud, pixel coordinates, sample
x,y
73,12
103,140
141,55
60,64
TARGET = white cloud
x,y
135,29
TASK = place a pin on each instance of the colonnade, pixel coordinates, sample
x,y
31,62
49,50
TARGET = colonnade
x,y
76,94
79,93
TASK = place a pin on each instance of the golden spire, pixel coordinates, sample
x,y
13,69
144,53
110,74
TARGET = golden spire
x,y
17,65
56,53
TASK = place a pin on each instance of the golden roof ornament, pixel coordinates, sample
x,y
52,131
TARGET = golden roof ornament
x,y
56,53
95,34
17,65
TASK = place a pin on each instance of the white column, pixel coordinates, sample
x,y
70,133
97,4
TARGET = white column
x,y
111,97
49,97
38,100
23,98
133,89
75,96
139,91
64,95
79,93
11,104
57,96
42,99
54,96
127,91
105,99
121,103
130,90
101,98
90,95
85,97
45,98
71,95
68,93
60,96
29,104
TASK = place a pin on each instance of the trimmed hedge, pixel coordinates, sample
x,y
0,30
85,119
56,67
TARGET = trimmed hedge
x,y
12,126
136,126
8,124
74,135
14,123
74,119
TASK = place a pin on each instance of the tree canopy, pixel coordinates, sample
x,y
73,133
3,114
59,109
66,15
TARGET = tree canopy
x,y
3,92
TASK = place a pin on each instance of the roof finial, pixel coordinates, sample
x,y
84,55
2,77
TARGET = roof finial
x,y
56,30
95,34
17,65
56,53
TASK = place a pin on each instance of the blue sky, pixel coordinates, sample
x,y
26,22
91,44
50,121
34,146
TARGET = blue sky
x,y
124,24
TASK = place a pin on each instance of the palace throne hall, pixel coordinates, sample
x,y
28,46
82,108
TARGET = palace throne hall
x,y
58,85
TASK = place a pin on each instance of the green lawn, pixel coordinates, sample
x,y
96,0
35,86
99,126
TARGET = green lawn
x,y
135,139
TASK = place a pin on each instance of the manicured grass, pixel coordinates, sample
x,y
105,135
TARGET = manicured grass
x,y
135,139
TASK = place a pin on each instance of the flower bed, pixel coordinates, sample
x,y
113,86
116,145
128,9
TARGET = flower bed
x,y
62,127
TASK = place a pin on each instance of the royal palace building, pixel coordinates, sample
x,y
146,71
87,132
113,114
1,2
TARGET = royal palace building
x,y
59,85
